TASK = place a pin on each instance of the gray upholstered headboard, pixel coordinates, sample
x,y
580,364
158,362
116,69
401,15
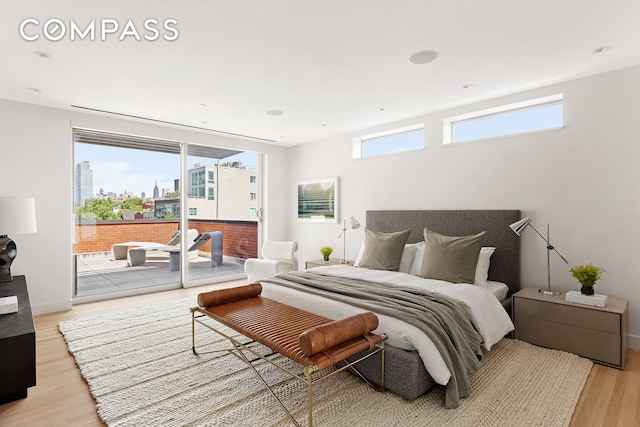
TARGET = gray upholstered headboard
x,y
505,262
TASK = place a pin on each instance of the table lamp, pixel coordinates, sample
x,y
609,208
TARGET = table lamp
x,y
518,228
353,224
17,215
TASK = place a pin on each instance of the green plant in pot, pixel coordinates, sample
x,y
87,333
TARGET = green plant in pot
x,y
587,275
326,251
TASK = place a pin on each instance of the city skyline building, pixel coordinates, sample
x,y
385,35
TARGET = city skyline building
x,y
83,190
225,191
222,191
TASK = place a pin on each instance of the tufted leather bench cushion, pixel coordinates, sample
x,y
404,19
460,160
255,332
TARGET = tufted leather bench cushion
x,y
303,337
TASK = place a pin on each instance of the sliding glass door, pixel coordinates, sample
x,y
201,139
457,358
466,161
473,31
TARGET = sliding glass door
x,y
131,196
222,196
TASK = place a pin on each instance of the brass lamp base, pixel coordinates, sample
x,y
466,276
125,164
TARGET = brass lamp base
x,y
549,292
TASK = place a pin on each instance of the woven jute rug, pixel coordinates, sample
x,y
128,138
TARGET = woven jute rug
x,y
141,372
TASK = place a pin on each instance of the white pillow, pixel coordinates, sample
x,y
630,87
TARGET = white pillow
x,y
356,263
416,265
482,268
408,254
499,289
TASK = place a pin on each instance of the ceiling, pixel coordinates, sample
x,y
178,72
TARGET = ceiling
x,y
330,66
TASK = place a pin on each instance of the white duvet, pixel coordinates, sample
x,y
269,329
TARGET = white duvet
x,y
491,318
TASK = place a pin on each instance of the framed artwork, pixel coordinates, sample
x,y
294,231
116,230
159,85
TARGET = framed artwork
x,y
318,200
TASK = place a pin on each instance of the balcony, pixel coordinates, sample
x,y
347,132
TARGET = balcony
x,y
99,273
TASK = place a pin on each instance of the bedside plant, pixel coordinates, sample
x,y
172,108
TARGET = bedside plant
x,y
587,275
326,251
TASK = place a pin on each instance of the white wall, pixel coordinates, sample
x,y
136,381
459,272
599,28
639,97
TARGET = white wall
x,y
36,150
583,180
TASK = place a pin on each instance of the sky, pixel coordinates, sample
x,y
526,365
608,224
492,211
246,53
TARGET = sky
x,y
404,141
510,122
493,125
122,169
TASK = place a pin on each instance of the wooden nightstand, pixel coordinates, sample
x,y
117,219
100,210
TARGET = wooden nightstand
x,y
598,333
321,263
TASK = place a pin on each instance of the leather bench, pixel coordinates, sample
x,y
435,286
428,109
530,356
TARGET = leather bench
x,y
313,341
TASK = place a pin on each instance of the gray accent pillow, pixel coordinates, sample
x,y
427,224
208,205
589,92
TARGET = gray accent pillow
x,y
383,251
453,259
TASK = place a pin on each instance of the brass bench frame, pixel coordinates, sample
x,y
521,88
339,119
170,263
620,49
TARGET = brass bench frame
x,y
309,376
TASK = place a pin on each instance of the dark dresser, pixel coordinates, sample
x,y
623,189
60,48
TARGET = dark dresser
x,y
17,344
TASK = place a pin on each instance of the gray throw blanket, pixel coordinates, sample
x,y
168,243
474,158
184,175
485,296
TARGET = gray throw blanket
x,y
449,323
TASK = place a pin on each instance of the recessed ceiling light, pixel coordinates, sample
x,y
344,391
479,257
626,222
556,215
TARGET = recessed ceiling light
x,y
42,54
382,109
202,105
204,122
467,86
35,89
601,49
324,125
423,57
274,112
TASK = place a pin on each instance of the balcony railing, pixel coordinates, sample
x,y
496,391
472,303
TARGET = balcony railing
x,y
97,272
240,238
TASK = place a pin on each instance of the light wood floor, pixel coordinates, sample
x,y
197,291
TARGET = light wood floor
x,y
61,397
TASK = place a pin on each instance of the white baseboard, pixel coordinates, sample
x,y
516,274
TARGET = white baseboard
x,y
51,307
634,342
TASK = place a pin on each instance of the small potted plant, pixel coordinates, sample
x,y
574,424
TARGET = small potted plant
x,y
587,275
326,251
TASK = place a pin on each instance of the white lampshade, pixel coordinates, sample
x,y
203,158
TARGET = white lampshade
x,y
354,224
17,215
518,227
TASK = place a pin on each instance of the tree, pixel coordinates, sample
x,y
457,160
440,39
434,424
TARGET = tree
x,y
133,204
97,209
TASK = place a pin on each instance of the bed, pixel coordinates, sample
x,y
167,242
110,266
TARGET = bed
x,y
412,362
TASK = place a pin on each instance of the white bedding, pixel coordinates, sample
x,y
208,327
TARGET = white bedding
x,y
493,321
499,289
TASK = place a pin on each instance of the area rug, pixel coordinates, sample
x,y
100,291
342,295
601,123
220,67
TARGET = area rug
x,y
141,372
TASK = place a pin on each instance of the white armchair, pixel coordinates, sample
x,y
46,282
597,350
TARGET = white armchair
x,y
277,257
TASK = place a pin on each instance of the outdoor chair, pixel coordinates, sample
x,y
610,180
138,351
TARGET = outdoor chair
x,y
120,250
138,256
